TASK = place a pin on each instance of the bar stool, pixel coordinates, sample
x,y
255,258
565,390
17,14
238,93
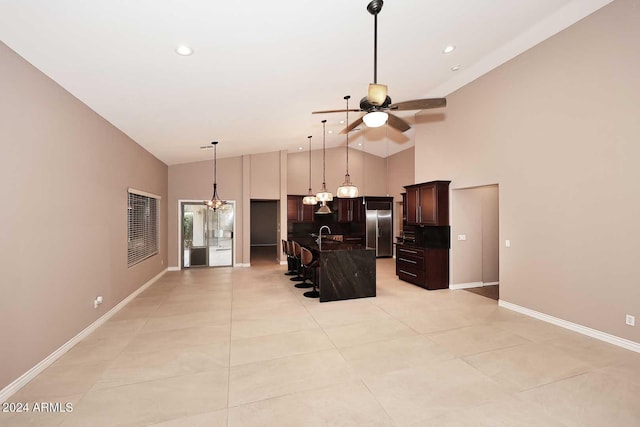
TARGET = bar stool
x,y
298,267
311,267
290,260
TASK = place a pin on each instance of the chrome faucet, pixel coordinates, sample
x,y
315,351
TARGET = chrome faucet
x,y
319,241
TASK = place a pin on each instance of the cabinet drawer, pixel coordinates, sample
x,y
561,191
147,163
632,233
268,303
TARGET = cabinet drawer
x,y
409,252
410,263
411,276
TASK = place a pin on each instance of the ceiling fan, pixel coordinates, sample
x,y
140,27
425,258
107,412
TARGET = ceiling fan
x,y
377,103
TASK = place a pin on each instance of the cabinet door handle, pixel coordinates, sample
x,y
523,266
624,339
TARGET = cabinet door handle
x,y
408,260
410,274
420,213
408,251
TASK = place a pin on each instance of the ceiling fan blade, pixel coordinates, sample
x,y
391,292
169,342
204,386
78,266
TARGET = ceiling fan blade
x,y
352,126
333,111
397,123
419,104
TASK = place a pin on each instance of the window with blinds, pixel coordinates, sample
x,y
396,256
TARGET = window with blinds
x,y
142,226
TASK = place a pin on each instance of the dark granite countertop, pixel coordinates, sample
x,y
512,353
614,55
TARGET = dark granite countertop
x,y
327,245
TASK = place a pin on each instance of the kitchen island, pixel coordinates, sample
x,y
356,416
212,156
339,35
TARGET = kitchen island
x,y
346,270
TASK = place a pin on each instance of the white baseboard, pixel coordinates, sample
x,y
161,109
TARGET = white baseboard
x,y
466,285
246,264
283,263
20,382
471,285
173,269
593,333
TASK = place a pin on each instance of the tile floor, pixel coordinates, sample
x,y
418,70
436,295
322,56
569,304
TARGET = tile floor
x,y
243,347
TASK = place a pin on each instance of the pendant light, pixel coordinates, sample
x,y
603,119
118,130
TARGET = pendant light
x,y
310,198
216,202
347,190
324,196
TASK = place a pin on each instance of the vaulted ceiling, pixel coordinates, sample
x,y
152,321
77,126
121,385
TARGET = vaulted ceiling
x,y
259,67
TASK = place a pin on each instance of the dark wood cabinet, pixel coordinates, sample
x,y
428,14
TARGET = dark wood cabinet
x,y
412,200
349,210
428,203
404,207
425,267
297,211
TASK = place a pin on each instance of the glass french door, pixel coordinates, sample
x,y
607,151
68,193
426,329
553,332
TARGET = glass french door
x,y
207,235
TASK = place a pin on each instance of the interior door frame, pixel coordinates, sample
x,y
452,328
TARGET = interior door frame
x,y
181,243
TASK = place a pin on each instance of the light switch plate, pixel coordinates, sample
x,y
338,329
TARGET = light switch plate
x,y
630,320
462,237
507,243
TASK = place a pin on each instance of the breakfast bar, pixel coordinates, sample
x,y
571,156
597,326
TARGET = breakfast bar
x,y
346,270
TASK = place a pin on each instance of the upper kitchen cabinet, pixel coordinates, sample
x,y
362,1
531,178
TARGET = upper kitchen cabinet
x,y
427,203
349,210
297,211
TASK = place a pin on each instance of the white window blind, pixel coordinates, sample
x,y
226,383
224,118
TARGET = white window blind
x,y
142,226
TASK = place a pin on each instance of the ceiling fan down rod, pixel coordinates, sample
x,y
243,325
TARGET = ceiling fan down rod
x,y
374,8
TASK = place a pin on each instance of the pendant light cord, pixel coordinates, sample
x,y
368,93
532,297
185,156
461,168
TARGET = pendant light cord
x,y
347,98
324,185
309,163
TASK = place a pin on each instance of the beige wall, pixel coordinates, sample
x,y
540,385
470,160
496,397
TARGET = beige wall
x,y
194,181
370,183
401,173
265,176
240,179
64,174
489,195
557,128
466,220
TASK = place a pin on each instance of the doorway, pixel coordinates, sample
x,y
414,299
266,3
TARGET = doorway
x,y
475,240
207,235
264,232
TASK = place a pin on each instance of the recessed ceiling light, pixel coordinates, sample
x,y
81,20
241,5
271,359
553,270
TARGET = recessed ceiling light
x,y
341,122
449,49
359,144
330,131
455,68
300,148
184,50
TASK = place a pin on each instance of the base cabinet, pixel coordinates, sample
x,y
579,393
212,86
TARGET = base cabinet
x,y
425,267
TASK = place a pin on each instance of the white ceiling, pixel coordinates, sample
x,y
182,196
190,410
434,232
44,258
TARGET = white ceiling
x,y
260,67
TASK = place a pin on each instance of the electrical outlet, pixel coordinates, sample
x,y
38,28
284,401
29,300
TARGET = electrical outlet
x,y
97,301
462,237
630,320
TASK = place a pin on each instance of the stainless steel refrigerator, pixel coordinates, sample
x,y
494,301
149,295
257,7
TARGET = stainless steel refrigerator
x,y
379,228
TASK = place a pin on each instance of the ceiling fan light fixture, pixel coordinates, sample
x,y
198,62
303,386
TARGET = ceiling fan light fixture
x,y
375,119
377,94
